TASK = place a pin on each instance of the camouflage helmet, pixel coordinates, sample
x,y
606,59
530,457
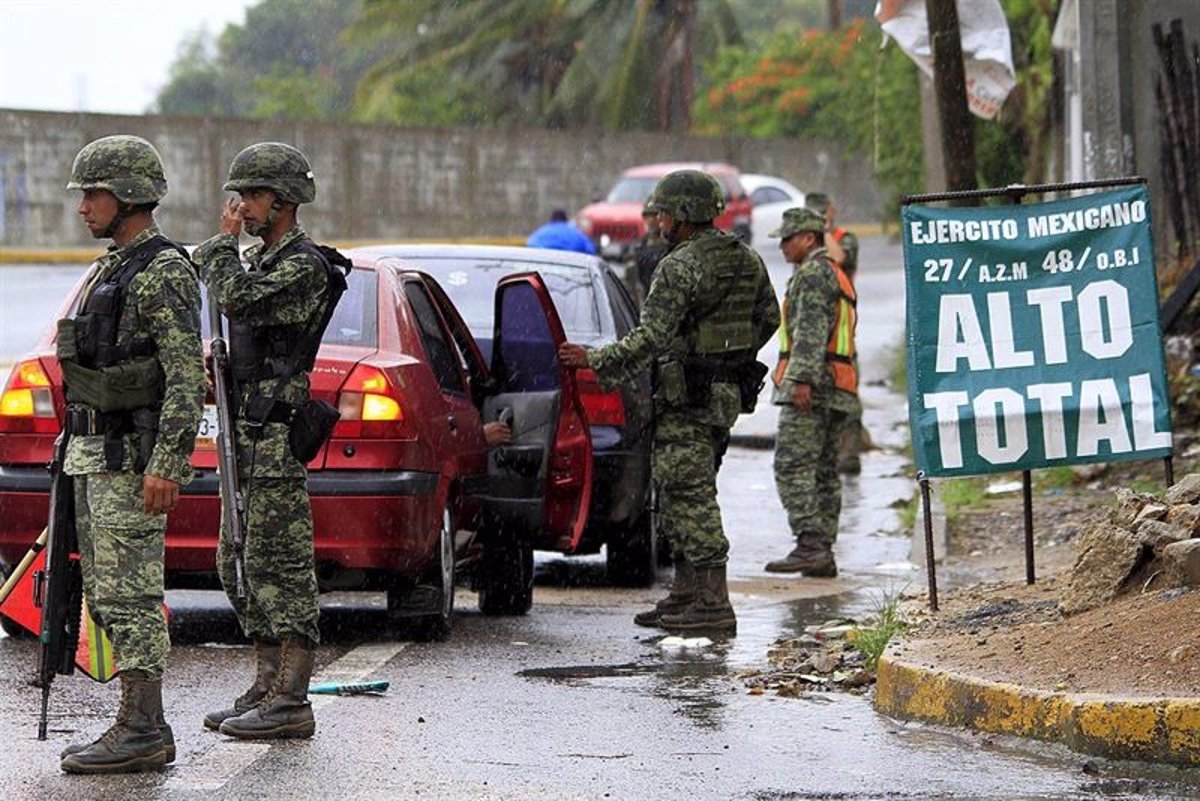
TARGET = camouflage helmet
x,y
688,196
273,165
817,201
127,166
799,220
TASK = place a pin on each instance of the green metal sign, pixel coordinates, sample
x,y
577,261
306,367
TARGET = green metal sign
x,y
1033,335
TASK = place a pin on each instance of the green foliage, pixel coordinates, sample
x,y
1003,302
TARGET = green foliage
x,y
1060,477
887,622
557,63
960,494
283,62
837,86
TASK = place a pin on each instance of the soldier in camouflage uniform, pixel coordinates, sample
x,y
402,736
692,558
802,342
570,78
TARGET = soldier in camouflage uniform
x,y
270,308
816,384
709,310
648,251
843,252
134,374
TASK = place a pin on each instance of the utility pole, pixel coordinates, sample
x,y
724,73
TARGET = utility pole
x,y
835,14
950,87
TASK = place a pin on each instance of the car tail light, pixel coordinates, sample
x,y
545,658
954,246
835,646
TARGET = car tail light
x,y
602,408
370,406
27,405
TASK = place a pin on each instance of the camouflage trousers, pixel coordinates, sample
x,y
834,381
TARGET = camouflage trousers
x,y
686,454
280,578
121,558
806,454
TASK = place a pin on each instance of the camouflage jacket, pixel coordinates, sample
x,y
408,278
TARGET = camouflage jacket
x,y
285,294
682,284
810,309
163,305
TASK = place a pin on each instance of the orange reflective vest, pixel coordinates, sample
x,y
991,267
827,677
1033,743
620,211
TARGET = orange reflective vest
x,y
839,350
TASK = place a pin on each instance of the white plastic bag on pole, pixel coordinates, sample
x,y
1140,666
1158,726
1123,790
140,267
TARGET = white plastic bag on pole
x,y
986,46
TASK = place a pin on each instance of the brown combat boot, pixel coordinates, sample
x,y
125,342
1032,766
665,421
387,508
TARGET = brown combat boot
x,y
683,592
267,653
285,711
163,729
711,611
133,743
810,557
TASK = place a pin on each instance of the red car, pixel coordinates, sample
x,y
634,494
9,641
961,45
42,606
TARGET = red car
x,y
400,490
615,223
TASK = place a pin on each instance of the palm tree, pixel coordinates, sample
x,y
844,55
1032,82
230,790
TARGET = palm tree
x,y
622,64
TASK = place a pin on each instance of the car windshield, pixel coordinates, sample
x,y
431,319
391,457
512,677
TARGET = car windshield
x,y
354,321
631,190
471,285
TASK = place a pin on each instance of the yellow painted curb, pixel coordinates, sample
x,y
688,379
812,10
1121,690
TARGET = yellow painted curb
x,y
1148,729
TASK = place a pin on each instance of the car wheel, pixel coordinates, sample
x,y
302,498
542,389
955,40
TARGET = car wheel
x,y
632,555
506,579
429,603
14,629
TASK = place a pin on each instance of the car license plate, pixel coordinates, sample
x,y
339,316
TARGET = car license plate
x,y
206,435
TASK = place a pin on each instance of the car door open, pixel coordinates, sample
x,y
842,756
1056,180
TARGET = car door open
x,y
540,484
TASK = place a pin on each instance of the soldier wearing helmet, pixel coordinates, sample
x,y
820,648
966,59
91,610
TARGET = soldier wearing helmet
x,y
277,311
816,385
649,250
709,310
134,374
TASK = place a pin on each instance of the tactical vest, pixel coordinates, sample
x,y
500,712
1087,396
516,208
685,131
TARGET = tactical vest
x,y
723,327
839,350
257,353
98,320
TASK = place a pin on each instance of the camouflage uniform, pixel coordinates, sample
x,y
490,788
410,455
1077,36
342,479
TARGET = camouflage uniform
x,y
280,577
806,448
687,441
120,546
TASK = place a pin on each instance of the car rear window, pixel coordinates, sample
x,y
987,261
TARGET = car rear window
x,y
631,190
354,321
471,285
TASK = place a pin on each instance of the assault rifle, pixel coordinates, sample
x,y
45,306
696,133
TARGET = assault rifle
x,y
58,589
233,502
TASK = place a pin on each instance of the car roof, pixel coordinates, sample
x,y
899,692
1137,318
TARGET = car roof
x,y
659,170
483,252
752,181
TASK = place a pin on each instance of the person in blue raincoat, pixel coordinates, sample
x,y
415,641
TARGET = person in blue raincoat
x,y
559,234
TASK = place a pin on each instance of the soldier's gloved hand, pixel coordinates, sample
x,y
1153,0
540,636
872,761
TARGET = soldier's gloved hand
x,y
802,397
159,495
572,355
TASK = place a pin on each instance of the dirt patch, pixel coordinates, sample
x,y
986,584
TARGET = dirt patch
x,y
1142,644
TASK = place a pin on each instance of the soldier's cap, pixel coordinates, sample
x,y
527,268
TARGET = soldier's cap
x,y
817,201
798,220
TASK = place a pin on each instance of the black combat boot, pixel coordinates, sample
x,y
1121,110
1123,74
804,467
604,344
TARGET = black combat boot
x,y
163,729
132,744
811,556
267,654
683,592
711,611
285,711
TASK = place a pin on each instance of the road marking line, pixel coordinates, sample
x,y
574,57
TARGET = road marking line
x,y
356,665
221,762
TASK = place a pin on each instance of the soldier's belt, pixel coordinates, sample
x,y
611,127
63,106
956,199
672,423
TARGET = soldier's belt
x,y
85,421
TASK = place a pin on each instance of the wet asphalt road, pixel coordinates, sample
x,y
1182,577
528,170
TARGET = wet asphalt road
x,y
573,701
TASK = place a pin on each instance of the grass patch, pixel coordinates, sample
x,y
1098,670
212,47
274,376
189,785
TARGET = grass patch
x,y
873,639
908,512
960,494
1060,477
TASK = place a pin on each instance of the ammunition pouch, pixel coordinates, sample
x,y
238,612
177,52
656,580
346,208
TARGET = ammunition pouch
x,y
699,375
312,424
751,378
145,425
670,384
132,384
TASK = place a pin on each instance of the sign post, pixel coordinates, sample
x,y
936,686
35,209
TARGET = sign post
x,y
1033,336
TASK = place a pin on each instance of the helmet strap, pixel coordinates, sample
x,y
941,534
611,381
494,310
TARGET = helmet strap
x,y
124,212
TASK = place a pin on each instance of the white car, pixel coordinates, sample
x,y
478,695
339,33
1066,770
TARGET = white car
x,y
770,196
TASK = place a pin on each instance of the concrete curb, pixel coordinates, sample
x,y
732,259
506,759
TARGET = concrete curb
x,y
1148,729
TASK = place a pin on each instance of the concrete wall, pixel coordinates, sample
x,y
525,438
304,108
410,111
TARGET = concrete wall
x,y
379,182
